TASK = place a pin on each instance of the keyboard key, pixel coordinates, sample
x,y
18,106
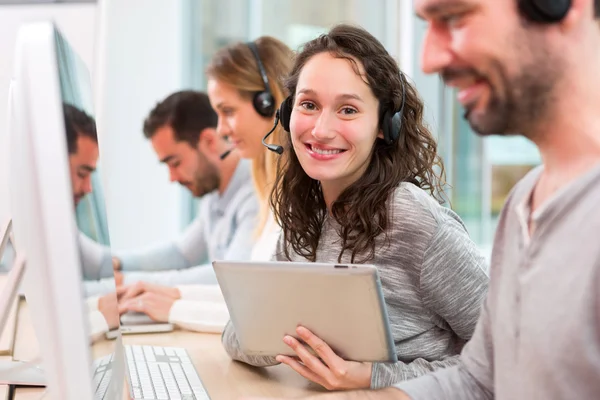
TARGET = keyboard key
x,y
163,373
169,351
149,354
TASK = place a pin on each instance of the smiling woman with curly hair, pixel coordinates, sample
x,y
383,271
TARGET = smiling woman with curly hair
x,y
361,183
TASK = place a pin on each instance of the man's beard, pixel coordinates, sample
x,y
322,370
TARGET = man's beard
x,y
515,103
207,183
207,178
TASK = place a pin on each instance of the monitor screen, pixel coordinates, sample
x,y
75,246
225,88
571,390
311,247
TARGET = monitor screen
x,y
59,221
93,242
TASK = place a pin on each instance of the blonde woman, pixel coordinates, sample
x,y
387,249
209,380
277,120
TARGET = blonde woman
x,y
245,88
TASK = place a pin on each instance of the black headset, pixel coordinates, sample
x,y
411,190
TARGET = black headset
x,y
545,11
263,101
391,122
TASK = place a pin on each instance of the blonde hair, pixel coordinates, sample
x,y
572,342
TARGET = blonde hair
x,y
237,66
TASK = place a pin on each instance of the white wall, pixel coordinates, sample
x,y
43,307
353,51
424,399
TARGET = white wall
x,y
137,61
76,21
141,61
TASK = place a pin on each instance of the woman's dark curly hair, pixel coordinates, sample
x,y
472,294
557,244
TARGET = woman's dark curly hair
x,y
361,209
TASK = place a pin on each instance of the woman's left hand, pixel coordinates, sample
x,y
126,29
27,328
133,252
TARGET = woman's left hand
x,y
330,371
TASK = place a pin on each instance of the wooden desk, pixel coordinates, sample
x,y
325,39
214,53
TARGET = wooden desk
x,y
222,378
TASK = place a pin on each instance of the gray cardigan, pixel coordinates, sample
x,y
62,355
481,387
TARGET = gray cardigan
x,y
434,281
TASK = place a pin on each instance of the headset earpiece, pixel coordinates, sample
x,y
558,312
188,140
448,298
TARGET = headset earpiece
x,y
285,113
264,104
263,101
391,122
391,125
544,11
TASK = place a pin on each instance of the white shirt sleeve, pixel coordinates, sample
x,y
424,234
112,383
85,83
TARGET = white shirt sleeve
x,y
207,293
201,308
200,316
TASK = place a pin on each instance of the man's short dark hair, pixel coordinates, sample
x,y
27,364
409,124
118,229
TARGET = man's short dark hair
x,y
77,122
187,112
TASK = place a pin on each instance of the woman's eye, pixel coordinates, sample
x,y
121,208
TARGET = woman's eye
x,y
348,110
308,106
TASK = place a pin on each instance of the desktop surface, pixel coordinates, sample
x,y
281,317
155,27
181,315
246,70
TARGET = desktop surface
x,y
222,377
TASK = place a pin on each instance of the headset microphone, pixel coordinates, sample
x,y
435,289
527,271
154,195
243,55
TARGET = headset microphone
x,y
224,155
273,147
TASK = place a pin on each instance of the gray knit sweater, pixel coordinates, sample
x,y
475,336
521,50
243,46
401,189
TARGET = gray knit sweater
x,y
434,281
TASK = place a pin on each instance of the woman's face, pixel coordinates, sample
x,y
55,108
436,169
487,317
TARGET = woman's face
x,y
238,120
334,122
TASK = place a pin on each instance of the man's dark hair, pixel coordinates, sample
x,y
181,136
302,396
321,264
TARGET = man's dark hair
x,y
187,112
597,8
77,122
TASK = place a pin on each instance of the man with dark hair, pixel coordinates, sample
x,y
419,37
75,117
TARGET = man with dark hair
x,y
82,145
182,131
528,67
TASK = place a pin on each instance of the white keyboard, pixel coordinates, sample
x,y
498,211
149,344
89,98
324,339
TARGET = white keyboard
x,y
159,373
102,375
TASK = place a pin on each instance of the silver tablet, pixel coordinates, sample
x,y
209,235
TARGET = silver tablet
x,y
341,303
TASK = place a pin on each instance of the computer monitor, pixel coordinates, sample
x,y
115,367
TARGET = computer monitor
x,y
48,75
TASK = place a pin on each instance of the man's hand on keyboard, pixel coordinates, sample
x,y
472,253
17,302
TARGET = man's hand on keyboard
x,y
156,306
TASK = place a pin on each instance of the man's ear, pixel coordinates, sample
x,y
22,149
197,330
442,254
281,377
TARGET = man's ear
x,y
579,10
206,141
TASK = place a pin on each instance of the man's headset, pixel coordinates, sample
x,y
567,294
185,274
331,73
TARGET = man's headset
x,y
263,101
391,122
545,11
